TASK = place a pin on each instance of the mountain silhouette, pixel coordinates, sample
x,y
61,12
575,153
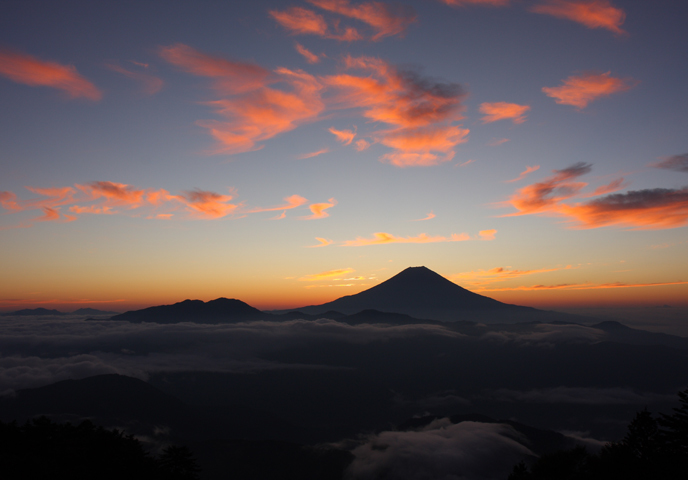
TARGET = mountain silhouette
x,y
35,311
92,311
220,310
421,293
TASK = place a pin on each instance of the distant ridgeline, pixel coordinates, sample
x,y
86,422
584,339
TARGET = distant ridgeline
x,y
415,295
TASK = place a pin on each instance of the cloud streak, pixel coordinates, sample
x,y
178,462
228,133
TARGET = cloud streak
x,y
657,208
523,174
328,275
382,238
151,83
319,210
28,70
486,3
591,13
503,111
580,90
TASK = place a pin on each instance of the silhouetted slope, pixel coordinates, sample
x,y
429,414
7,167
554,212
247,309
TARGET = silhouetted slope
x,y
422,293
92,311
221,310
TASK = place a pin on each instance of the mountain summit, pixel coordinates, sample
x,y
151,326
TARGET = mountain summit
x,y
422,293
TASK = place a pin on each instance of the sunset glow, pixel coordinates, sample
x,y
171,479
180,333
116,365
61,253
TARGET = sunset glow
x,y
533,152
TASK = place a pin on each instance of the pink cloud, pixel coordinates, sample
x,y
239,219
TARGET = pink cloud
x,y
206,204
344,136
383,18
591,13
28,70
293,201
429,216
648,209
419,111
313,154
583,89
307,54
302,21
503,111
523,174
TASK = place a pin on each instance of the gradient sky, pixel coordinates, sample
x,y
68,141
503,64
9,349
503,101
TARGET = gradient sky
x,y
290,152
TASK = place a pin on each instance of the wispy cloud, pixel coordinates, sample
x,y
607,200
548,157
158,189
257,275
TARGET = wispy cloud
x,y
253,112
28,70
206,204
307,54
344,136
503,111
151,84
678,163
293,201
497,142
382,238
322,242
523,174
420,111
429,216
302,21
319,210
112,198
580,90
657,208
580,286
385,19
487,234
498,274
328,275
313,154
591,13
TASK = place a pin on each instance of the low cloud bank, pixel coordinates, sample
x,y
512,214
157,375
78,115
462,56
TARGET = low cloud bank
x,y
441,450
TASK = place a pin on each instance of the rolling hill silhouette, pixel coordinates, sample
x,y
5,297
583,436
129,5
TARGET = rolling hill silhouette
x,y
220,310
421,293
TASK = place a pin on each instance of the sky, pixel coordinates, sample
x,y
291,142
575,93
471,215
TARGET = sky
x,y
287,153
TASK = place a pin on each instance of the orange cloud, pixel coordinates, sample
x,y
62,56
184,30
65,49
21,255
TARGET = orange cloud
x,y
313,154
361,145
649,209
497,142
307,54
583,89
151,84
329,275
387,21
487,234
206,204
545,196
8,200
91,209
382,238
591,13
580,286
49,214
420,111
301,21
22,68
114,193
656,208
264,113
503,111
523,174
323,242
318,210
488,3
499,274
429,216
230,76
293,201
344,136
